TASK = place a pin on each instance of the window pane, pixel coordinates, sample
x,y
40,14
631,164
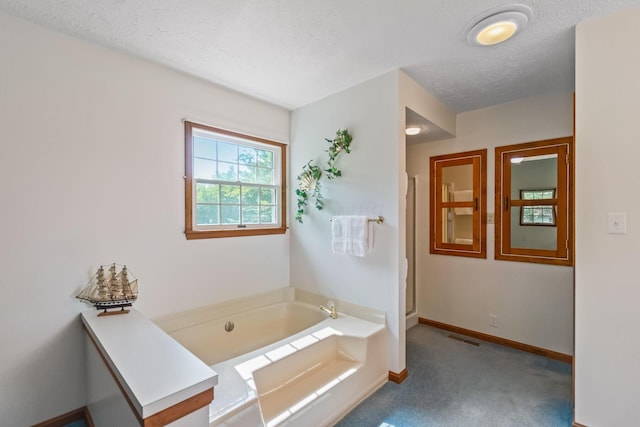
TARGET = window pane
x,y
207,193
247,174
538,194
207,214
267,196
538,215
227,152
268,214
204,147
527,215
247,156
227,171
264,176
204,169
230,214
250,215
249,196
265,158
230,194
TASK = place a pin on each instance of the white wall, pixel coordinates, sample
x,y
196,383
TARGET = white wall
x,y
91,167
369,186
533,302
607,371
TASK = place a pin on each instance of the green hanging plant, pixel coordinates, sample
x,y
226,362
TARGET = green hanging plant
x,y
341,143
308,188
309,178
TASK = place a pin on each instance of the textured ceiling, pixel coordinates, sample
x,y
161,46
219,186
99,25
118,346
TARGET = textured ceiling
x,y
293,52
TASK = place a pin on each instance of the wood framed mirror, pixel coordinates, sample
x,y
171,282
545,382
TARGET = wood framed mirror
x,y
458,205
534,202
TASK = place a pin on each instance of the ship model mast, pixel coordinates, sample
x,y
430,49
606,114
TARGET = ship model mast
x,y
115,289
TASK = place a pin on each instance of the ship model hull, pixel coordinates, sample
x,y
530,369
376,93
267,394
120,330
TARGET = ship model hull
x,y
116,288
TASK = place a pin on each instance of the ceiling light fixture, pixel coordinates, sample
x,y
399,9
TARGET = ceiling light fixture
x,y
413,130
497,25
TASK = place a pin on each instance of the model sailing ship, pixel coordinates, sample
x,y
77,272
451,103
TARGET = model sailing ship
x,y
115,289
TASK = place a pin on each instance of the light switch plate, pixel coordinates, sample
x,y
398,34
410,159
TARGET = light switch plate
x,y
491,219
617,223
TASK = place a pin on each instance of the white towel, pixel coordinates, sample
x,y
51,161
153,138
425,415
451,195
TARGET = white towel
x,y
463,196
351,235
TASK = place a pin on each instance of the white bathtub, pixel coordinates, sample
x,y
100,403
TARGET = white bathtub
x,y
211,342
285,362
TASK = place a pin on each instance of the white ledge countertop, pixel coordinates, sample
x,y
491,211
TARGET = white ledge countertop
x,y
154,369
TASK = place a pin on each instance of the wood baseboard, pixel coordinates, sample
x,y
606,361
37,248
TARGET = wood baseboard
x,y
68,418
567,358
398,377
578,425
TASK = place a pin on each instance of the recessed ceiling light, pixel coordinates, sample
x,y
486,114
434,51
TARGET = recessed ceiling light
x,y
412,130
497,25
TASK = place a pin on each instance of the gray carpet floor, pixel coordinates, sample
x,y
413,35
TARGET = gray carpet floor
x,y
456,384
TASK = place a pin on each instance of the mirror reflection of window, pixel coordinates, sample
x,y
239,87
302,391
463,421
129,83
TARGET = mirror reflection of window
x,y
533,172
538,215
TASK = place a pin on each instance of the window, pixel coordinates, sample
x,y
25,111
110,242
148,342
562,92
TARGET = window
x,y
234,184
542,213
458,204
534,202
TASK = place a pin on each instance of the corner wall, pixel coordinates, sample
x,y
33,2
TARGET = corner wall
x,y
369,186
91,172
607,289
533,302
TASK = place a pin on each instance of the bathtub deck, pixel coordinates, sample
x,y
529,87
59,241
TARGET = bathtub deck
x,y
287,376
304,389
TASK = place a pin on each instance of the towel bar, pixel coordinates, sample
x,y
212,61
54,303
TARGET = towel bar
x,y
378,220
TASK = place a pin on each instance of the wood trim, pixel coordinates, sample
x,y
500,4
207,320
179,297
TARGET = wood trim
x,y
212,234
88,418
578,425
165,416
180,409
563,254
67,418
497,340
398,377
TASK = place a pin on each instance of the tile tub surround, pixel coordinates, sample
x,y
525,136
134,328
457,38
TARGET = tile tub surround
x,y
334,363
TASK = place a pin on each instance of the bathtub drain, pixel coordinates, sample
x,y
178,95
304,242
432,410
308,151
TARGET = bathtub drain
x,y
229,326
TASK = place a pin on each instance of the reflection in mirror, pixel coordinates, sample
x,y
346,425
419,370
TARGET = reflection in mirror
x,y
534,202
457,186
534,178
458,207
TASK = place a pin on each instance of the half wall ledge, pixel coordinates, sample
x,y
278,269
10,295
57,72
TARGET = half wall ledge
x,y
158,379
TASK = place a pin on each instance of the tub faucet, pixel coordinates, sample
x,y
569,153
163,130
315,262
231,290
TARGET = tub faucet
x,y
331,310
